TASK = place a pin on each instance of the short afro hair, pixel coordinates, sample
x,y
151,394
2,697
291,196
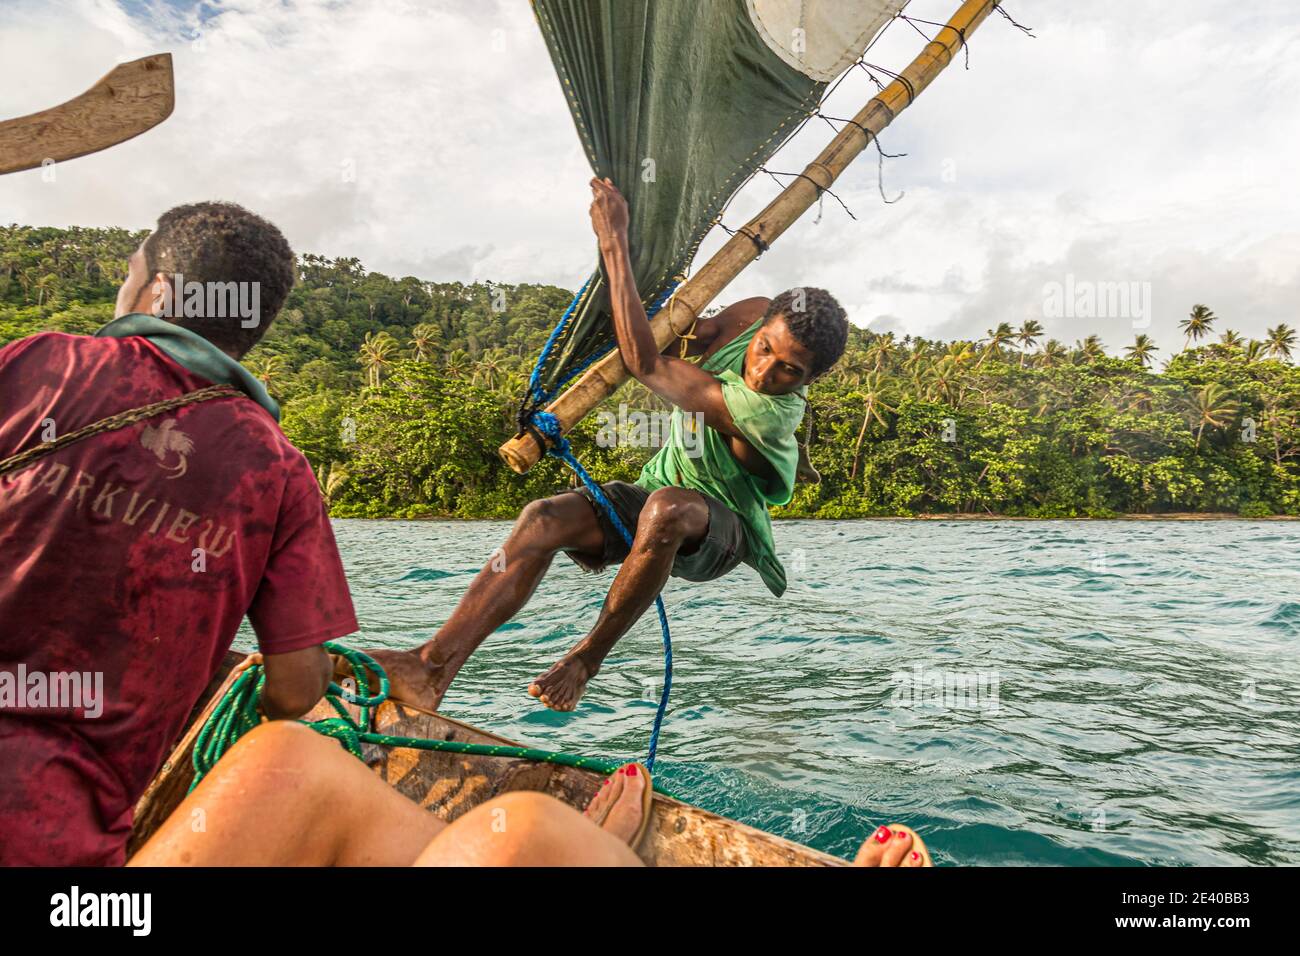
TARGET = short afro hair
x,y
217,243
816,321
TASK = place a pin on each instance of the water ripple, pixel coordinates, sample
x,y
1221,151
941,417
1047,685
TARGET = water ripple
x,y
1140,700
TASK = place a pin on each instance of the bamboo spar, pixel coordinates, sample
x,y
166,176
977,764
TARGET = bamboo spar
x,y
132,98
605,376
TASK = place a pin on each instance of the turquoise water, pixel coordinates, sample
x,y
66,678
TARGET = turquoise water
x,y
1132,689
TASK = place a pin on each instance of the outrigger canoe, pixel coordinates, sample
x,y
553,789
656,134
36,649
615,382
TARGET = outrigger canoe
x,y
451,784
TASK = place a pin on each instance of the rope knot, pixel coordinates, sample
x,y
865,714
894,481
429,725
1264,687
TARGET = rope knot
x,y
549,426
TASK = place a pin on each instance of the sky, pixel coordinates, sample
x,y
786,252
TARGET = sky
x,y
1132,146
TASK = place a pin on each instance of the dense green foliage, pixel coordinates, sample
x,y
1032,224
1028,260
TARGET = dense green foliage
x,y
399,391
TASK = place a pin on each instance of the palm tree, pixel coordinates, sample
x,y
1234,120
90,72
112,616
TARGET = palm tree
x,y
1030,332
1280,418
1230,339
43,284
915,362
941,381
330,480
854,364
424,339
1214,406
11,262
267,368
1255,351
997,338
1197,325
518,342
110,268
1142,350
872,393
1090,349
513,384
883,348
1053,353
456,362
1281,341
489,369
377,353
959,351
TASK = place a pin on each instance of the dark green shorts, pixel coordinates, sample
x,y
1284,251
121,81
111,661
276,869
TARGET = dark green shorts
x,y
721,550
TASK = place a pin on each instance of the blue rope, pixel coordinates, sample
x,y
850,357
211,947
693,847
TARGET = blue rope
x,y
549,426
541,396
534,388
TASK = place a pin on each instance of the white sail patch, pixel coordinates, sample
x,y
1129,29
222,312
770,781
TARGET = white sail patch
x,y
820,38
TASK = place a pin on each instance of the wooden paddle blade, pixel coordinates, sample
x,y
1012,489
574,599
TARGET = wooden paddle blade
x,y
131,99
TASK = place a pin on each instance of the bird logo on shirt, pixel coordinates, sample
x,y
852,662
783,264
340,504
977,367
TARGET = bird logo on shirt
x,y
164,440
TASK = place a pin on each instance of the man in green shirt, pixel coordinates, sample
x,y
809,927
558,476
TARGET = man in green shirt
x,y
699,507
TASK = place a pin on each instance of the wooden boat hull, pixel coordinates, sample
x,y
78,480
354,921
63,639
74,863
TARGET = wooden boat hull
x,y
450,785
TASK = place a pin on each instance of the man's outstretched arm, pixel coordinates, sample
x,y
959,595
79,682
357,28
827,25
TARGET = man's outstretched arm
x,y
676,381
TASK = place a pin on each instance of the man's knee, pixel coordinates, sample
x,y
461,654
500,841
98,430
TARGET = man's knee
x,y
673,513
545,519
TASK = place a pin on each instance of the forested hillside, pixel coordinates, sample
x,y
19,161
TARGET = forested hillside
x,y
400,390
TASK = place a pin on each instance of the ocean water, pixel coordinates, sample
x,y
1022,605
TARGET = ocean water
x,y
1026,693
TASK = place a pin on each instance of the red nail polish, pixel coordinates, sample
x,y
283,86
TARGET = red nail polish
x,y
882,835
901,835
915,855
631,771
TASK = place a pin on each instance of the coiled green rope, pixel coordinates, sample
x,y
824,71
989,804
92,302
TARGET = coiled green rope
x,y
237,713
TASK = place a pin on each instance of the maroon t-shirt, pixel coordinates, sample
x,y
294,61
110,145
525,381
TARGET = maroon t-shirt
x,y
135,554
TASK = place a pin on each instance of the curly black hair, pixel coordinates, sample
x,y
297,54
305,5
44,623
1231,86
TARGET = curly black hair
x,y
217,243
817,322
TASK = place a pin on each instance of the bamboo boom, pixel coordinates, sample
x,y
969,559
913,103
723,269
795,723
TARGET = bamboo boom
x,y
605,376
132,98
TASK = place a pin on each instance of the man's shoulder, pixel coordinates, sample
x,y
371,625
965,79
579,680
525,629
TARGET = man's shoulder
x,y
39,342
735,320
754,306
240,419
739,317
72,355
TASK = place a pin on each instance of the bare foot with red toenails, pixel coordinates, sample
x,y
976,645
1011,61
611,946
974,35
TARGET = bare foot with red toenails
x,y
622,805
894,845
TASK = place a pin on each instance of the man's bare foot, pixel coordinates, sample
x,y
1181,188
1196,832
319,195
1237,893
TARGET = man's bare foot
x,y
411,679
893,846
618,806
561,687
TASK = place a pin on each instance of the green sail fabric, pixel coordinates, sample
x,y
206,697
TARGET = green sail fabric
x,y
678,102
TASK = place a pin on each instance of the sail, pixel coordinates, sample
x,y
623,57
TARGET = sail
x,y
678,102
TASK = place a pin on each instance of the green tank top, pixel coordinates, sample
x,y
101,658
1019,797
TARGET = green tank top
x,y
696,456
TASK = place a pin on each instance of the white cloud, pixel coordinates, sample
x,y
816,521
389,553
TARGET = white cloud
x,y
1129,142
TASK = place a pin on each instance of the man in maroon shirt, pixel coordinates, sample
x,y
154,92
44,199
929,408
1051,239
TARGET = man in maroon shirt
x,y
129,558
